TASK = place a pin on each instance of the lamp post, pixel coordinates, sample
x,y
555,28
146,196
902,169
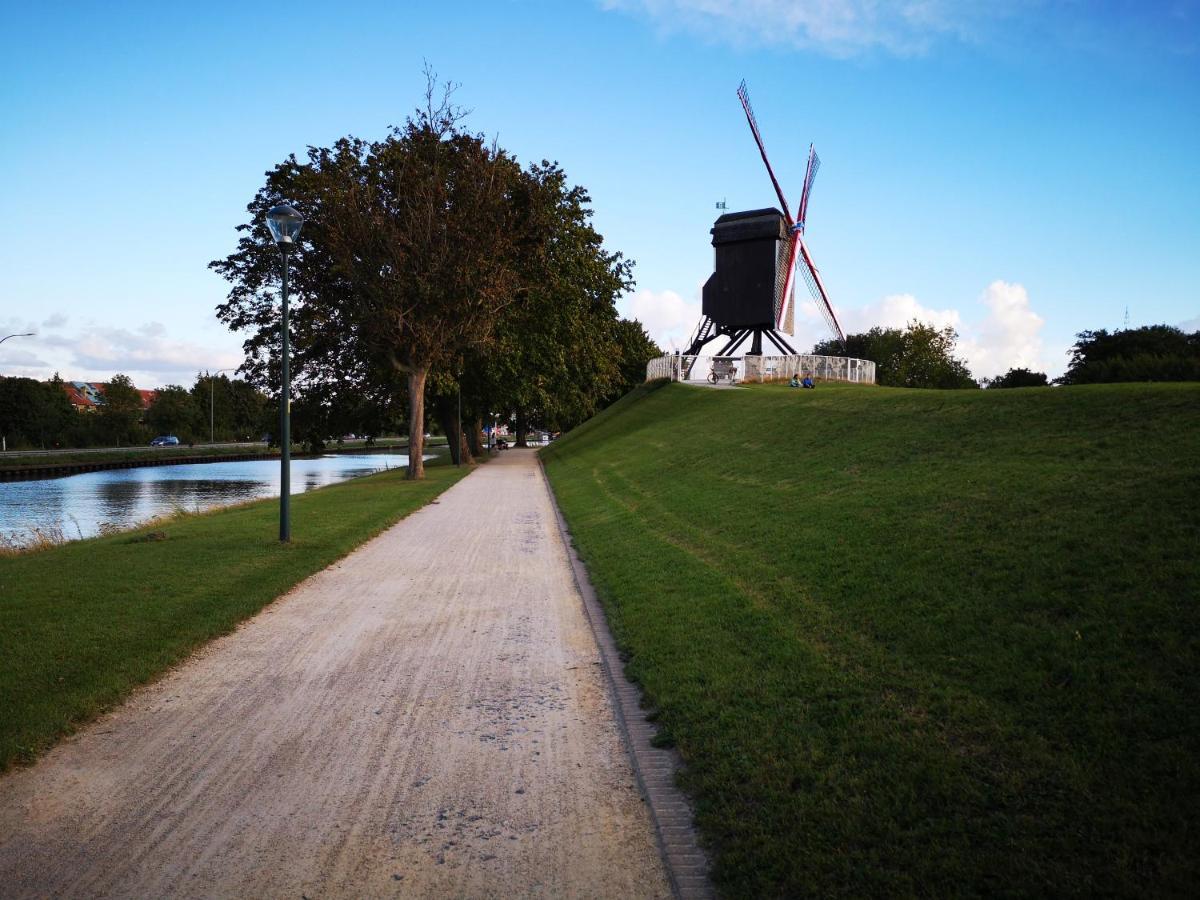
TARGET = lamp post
x,y
285,222
4,439
211,427
458,421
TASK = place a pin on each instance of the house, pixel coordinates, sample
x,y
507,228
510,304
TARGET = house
x,y
88,396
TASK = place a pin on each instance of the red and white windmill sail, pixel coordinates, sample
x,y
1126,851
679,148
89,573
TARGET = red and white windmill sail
x,y
798,254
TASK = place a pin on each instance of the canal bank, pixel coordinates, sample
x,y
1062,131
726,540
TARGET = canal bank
x,y
76,467
90,503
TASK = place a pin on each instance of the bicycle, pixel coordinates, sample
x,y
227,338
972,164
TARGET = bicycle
x,y
722,370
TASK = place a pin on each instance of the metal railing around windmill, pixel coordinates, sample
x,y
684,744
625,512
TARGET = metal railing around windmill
x,y
759,369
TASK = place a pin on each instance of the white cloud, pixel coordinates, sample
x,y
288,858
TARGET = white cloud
x,y
1191,325
666,316
835,27
1008,338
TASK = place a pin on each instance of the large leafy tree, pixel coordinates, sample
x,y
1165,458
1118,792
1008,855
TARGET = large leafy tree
x,y
431,262
555,356
1150,353
405,263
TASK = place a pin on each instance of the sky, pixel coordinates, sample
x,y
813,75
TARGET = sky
x,y
1020,169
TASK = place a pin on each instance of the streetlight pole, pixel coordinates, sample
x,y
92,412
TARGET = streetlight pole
x,y
458,423
4,438
211,427
285,222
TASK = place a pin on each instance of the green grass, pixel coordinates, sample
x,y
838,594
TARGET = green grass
x,y
912,642
84,623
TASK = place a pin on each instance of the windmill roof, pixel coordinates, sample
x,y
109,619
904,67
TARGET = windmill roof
x,y
750,214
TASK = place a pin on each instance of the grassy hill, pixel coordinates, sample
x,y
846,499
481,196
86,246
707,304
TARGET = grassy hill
x,y
912,642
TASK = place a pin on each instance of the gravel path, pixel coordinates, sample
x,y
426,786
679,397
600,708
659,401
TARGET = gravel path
x,y
427,717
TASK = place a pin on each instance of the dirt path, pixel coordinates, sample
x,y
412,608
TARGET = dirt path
x,y
426,718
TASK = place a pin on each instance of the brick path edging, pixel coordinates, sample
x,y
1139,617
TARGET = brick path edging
x,y
654,767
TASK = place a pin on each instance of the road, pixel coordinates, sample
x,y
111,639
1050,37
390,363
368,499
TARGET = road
x,y
428,717
129,449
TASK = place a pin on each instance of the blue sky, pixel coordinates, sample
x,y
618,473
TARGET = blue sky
x,y
1023,170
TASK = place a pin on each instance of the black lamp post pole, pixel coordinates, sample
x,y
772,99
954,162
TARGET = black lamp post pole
x,y
285,420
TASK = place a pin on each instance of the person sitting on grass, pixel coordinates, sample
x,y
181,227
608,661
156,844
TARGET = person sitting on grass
x,y
795,382
807,382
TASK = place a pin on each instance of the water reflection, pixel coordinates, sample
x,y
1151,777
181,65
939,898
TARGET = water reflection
x,y
80,505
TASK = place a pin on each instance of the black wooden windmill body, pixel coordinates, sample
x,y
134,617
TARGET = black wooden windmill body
x,y
750,295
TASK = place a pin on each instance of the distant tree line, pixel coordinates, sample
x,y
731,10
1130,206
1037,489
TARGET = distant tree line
x,y
432,263
1150,353
39,414
922,355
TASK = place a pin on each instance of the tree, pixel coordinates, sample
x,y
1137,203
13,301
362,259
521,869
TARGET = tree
x,y
405,263
121,413
920,356
1150,353
1019,378
174,411
33,414
635,350
555,356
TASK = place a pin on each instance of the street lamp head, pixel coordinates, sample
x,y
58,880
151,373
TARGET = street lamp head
x,y
284,222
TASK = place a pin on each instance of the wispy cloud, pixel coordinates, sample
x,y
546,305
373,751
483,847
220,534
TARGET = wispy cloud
x,y
96,352
835,27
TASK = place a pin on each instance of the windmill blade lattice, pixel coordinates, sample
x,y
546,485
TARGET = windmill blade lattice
x,y
744,96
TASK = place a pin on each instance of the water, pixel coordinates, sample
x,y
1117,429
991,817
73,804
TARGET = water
x,y
81,505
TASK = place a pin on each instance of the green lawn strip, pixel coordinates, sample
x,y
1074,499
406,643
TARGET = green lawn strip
x,y
912,642
84,623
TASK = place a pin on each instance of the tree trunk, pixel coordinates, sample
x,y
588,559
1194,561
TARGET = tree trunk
x,y
465,449
416,422
445,417
475,437
522,428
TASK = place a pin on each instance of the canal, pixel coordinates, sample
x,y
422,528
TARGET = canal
x,y
80,506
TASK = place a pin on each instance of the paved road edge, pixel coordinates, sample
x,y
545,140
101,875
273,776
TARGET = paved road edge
x,y
654,767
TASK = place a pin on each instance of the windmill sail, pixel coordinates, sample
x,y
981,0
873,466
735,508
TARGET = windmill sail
x,y
813,278
744,96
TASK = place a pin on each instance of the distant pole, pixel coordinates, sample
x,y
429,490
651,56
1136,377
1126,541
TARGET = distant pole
x,y
285,223
458,423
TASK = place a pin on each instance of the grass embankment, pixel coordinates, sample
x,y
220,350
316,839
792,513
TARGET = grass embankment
x,y
84,623
912,642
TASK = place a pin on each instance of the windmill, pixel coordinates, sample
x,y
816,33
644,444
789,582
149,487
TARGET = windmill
x,y
751,293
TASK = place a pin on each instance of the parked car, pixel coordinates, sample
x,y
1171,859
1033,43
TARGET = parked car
x,y
165,440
